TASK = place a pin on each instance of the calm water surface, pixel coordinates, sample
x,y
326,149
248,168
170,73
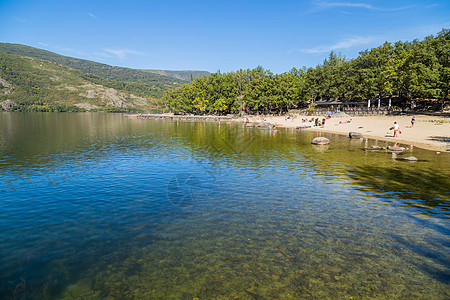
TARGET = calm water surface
x,y
96,206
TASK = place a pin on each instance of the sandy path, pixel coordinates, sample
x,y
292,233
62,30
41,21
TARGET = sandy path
x,y
429,132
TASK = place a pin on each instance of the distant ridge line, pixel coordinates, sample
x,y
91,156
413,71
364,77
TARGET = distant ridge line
x,y
166,78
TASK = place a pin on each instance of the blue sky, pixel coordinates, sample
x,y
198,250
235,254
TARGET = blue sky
x,y
216,35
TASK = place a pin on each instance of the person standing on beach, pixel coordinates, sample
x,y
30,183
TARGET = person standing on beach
x,y
413,120
396,128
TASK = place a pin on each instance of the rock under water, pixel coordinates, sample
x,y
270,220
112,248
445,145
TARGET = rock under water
x,y
320,141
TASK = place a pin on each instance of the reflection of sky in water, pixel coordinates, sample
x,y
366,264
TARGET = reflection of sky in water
x,y
92,211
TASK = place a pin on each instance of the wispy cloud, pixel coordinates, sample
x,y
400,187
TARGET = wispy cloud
x,y
320,5
122,53
92,16
108,53
434,5
325,4
21,20
343,44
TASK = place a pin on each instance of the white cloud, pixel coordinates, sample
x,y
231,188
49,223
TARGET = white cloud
x,y
343,44
92,16
105,54
326,5
122,53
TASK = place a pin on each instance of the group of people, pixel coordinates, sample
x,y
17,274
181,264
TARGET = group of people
x,y
316,121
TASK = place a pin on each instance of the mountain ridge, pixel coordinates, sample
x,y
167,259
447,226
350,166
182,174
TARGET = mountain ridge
x,y
40,80
33,84
168,78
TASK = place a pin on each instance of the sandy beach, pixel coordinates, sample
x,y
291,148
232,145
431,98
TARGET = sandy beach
x,y
429,132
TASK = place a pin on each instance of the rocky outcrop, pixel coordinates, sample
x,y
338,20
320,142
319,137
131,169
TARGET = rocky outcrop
x,y
7,105
5,87
86,106
355,135
320,141
112,97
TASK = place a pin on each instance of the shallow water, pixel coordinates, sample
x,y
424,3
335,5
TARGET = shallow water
x,y
98,206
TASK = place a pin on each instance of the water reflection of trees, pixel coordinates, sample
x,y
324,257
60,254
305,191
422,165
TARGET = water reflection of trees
x,y
425,190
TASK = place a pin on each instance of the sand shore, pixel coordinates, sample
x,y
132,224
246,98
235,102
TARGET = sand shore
x,y
429,132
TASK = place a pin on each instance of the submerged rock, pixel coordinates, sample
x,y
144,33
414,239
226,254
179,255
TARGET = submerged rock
x,y
395,148
410,158
355,135
320,141
374,148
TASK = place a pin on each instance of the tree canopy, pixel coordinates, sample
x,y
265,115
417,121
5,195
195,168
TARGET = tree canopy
x,y
408,70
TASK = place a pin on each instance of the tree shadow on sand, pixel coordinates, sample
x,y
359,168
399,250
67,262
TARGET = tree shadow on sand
x,y
443,139
426,190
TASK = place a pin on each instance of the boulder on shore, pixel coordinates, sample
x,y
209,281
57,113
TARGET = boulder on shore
x,y
263,125
303,126
320,141
355,135
249,125
374,148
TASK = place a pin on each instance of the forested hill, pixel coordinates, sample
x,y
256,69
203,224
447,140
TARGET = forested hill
x,y
181,75
160,79
33,84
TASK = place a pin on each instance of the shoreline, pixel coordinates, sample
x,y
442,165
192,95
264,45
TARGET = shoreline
x,y
429,132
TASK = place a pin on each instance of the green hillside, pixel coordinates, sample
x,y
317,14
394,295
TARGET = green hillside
x,y
181,75
86,66
33,84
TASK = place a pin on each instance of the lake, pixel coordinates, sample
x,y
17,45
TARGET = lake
x,y
98,206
